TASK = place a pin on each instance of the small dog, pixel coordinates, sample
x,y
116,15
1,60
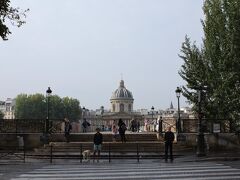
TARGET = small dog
x,y
86,155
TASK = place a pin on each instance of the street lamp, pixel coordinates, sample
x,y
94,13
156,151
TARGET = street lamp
x,y
200,135
152,111
48,94
160,126
102,111
83,112
178,93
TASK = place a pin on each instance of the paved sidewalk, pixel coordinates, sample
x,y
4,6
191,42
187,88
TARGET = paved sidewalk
x,y
211,156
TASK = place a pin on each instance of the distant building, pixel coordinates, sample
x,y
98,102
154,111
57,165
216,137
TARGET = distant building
x,y
122,100
8,107
121,107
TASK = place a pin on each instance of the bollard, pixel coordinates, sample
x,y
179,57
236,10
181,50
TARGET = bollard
x,y
137,152
51,153
24,154
81,153
109,152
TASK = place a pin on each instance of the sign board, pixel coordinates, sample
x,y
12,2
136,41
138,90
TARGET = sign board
x,y
181,137
216,128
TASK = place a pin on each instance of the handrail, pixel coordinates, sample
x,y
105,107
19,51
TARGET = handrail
x,y
109,150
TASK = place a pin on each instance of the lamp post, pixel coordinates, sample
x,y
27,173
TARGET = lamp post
x,y
160,126
102,111
83,112
48,94
152,111
200,135
178,93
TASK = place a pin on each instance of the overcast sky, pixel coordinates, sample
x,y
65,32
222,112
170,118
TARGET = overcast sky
x,y
80,48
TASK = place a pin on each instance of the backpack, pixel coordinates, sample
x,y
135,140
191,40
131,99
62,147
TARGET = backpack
x,y
123,127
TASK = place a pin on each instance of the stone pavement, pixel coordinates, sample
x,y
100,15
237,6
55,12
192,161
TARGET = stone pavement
x,y
211,156
147,169
215,166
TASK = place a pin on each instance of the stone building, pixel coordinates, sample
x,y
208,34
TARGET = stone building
x,y
7,107
122,99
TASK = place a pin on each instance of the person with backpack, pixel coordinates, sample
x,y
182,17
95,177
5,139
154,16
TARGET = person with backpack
x,y
67,129
122,129
85,125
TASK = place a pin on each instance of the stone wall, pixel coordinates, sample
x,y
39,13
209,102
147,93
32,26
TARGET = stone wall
x,y
218,141
215,141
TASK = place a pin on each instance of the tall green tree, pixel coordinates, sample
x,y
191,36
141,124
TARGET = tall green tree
x,y
71,108
30,106
10,14
216,64
35,107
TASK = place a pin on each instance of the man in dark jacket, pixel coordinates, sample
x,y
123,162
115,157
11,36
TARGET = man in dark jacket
x,y
168,138
122,129
97,140
67,129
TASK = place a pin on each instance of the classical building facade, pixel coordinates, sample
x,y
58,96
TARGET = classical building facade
x,y
122,107
122,99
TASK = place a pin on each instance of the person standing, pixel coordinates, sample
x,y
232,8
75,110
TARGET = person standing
x,y
168,138
138,126
114,131
85,125
97,141
122,129
67,129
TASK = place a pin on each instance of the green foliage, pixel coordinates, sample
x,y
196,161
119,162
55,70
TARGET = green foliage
x,y
216,65
35,107
14,15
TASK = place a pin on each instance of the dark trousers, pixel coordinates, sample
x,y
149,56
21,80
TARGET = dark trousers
x,y
67,136
168,147
123,138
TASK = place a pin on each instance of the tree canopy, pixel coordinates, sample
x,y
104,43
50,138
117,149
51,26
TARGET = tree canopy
x,y
8,13
35,107
216,63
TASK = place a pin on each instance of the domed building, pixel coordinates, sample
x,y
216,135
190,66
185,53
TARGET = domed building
x,y
122,99
121,107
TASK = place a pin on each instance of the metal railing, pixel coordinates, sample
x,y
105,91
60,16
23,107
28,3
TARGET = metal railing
x,y
19,126
109,152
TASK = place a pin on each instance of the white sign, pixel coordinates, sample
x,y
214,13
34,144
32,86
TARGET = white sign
x,y
216,128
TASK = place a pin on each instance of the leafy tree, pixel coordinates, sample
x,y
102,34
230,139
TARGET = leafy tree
x,y
30,107
71,108
35,107
216,64
14,15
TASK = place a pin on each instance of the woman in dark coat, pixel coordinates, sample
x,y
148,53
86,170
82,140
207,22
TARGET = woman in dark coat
x,y
122,128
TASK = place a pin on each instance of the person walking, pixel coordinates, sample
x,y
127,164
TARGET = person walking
x,y
168,138
67,129
114,131
97,141
122,129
